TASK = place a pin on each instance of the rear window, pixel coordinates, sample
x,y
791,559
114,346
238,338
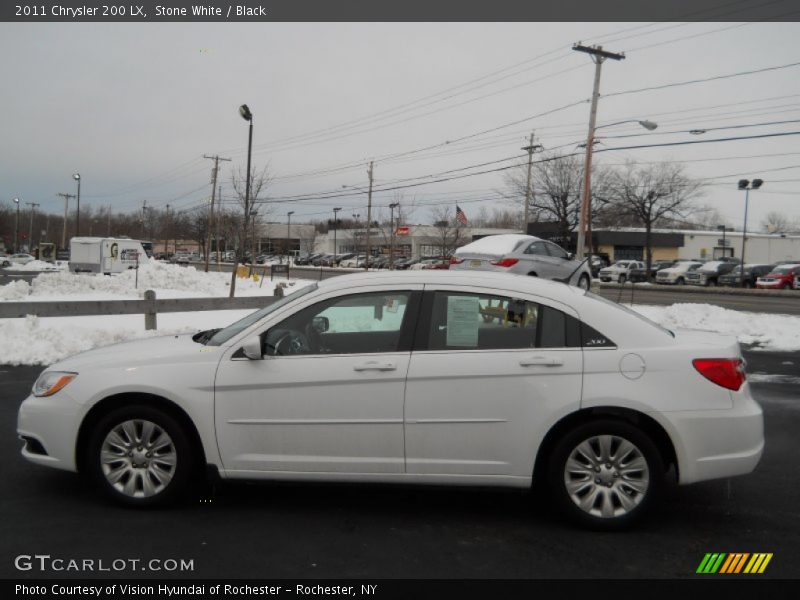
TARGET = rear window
x,y
624,308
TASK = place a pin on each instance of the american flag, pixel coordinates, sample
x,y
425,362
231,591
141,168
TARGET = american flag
x,y
460,216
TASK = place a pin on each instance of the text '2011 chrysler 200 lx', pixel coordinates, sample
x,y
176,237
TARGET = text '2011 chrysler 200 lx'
x,y
464,378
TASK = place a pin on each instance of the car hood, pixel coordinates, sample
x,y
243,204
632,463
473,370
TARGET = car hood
x,y
157,350
673,271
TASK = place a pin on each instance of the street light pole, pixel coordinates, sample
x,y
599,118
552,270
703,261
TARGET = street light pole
x,y
746,185
77,177
30,227
245,113
288,233
335,230
16,228
392,230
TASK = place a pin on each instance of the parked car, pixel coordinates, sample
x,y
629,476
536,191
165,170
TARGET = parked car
x,y
20,259
353,261
781,277
751,273
180,258
4,262
710,272
676,274
641,275
598,262
597,401
405,263
522,255
620,271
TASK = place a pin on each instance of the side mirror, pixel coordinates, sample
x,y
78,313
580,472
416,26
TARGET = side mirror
x,y
252,348
320,324
570,255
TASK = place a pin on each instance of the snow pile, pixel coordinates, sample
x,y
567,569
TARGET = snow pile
x,y
44,341
779,333
16,291
168,281
38,265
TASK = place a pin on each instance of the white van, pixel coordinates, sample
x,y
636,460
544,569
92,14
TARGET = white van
x,y
105,255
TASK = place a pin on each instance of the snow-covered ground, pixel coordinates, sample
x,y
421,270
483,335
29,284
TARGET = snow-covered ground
x,y
45,340
765,331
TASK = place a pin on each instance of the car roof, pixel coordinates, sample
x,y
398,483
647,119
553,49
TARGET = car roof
x,y
535,285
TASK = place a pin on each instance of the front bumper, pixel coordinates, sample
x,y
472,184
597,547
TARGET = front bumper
x,y
53,422
719,443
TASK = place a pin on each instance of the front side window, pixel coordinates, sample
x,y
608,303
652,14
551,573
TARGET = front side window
x,y
463,321
354,324
556,251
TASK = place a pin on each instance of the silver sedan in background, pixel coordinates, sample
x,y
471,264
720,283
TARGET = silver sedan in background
x,y
522,255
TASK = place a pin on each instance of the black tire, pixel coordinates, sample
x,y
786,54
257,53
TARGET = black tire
x,y
617,486
680,281
584,282
180,474
532,274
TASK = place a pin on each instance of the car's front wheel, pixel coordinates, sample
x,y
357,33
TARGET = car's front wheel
x,y
584,282
140,456
605,474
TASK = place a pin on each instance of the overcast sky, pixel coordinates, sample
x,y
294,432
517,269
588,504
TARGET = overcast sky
x,y
134,107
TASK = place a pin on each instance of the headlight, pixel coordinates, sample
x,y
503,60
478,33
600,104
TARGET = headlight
x,y
51,382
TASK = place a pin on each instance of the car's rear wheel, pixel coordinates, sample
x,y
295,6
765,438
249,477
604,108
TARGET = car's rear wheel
x,y
605,474
140,456
680,281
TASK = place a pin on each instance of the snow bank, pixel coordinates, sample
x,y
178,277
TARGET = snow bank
x,y
778,333
16,291
38,265
168,281
43,341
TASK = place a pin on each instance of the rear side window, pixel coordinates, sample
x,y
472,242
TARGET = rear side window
x,y
461,321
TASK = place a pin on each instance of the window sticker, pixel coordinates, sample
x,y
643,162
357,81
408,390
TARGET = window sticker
x,y
463,314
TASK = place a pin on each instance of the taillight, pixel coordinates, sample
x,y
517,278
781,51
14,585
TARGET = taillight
x,y
727,372
456,261
506,262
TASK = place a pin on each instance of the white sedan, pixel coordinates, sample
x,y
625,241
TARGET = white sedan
x,y
461,378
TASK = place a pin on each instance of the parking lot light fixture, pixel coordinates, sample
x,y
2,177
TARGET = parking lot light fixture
x,y
77,177
16,228
746,185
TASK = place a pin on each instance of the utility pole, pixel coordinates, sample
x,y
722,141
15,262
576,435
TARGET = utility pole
x,y
288,232
144,213
530,148
166,230
392,206
214,173
219,212
30,228
108,226
598,56
368,258
66,212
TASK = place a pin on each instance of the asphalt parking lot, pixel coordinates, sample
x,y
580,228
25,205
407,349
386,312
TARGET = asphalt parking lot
x,y
309,531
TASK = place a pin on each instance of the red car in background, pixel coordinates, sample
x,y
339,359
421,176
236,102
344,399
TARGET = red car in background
x,y
781,277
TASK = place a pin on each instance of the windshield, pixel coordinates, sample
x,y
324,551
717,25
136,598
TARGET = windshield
x,y
223,335
783,270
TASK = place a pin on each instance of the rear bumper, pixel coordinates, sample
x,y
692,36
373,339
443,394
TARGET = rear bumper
x,y
715,444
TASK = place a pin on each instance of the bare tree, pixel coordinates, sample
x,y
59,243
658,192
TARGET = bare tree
x,y
652,194
259,181
557,182
777,222
449,234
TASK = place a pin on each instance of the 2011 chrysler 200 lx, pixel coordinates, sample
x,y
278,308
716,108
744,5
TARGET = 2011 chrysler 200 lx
x,y
459,378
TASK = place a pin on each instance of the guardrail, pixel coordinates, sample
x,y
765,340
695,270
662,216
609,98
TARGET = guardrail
x,y
150,306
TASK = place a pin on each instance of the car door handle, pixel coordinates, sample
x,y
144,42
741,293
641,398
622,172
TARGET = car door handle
x,y
545,361
374,365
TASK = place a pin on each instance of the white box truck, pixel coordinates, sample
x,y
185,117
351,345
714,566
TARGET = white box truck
x,y
105,255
